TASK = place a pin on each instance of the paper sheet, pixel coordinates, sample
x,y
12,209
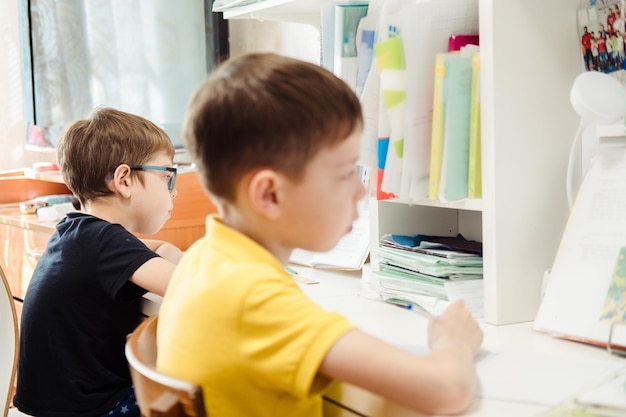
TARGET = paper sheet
x,y
539,378
610,393
534,378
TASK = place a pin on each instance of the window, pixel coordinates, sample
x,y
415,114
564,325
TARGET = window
x,y
143,57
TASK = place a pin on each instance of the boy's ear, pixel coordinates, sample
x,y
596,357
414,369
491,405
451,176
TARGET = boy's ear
x,y
265,192
122,180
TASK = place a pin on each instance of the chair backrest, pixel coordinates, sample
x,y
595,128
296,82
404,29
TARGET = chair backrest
x,y
8,343
159,395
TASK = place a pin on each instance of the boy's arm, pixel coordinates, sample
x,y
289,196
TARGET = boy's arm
x,y
165,249
442,382
155,274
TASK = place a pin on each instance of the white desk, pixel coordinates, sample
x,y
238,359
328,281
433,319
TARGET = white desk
x,y
341,291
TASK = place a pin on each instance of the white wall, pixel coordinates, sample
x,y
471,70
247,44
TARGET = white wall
x,y
268,36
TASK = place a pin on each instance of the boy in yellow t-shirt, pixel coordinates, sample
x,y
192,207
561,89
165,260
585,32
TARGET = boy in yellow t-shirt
x,y
276,141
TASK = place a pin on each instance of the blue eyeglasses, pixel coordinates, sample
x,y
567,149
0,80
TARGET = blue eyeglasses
x,y
171,181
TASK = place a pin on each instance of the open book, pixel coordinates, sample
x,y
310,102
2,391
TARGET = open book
x,y
585,298
350,252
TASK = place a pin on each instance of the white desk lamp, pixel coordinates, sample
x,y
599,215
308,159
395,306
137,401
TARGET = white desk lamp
x,y
599,99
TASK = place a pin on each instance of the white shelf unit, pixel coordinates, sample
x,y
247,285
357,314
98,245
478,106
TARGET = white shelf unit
x,y
530,55
529,59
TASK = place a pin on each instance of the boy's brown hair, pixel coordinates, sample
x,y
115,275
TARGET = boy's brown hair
x,y
90,150
263,110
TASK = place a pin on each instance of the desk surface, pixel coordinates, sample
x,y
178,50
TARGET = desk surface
x,y
10,215
344,292
185,226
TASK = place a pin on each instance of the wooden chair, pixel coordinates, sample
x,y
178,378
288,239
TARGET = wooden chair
x,y
159,395
9,345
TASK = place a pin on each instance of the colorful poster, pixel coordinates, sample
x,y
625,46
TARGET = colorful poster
x,y
601,35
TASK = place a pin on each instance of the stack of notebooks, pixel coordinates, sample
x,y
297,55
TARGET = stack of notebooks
x,y
427,272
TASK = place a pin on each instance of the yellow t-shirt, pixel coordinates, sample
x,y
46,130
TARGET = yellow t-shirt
x,y
235,322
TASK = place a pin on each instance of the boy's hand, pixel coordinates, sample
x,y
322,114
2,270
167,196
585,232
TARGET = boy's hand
x,y
455,329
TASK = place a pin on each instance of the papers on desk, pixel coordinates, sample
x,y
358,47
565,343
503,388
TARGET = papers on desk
x,y
471,291
606,399
542,379
539,378
428,272
443,257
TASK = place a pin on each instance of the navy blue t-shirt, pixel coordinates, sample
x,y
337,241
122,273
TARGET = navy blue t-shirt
x,y
78,310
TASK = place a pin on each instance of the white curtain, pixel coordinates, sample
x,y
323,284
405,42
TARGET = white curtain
x,y
140,56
